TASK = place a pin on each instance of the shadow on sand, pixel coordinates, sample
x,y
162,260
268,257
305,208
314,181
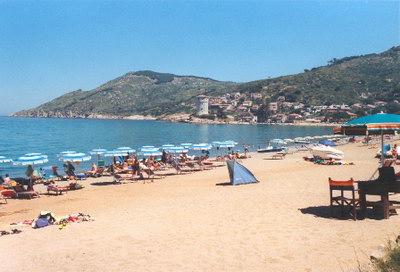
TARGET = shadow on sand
x,y
325,212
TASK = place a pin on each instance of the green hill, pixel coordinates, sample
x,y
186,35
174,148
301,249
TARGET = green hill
x,y
357,79
349,80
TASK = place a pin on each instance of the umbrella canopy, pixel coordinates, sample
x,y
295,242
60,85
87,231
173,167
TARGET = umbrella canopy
x,y
373,124
4,159
31,159
167,146
380,123
125,149
186,145
97,151
202,146
224,144
115,153
76,157
148,148
64,153
177,149
148,153
277,141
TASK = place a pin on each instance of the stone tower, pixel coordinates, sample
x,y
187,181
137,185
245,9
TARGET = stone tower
x,y
202,105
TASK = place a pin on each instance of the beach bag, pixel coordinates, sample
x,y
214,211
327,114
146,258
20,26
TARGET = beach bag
x,y
42,222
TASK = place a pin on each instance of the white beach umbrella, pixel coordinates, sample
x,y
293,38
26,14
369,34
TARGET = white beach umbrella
x,y
31,159
76,157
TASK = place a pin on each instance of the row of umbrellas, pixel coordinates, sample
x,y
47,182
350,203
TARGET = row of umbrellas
x,y
148,150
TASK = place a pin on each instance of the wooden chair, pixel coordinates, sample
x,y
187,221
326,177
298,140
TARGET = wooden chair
x,y
344,201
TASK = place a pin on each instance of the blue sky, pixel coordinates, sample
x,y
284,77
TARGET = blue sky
x,y
48,48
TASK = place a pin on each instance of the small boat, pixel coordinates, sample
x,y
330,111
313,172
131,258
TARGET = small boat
x,y
274,145
270,148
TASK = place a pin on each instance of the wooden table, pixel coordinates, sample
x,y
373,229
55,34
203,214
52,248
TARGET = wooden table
x,y
381,189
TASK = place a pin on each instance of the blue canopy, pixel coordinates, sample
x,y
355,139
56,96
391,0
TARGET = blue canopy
x,y
239,174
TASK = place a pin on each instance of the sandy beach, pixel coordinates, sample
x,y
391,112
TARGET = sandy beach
x,y
189,223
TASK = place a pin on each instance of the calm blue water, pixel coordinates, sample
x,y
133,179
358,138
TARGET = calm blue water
x,y
51,136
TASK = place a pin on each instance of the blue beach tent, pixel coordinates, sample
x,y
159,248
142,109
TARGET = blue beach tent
x,y
239,174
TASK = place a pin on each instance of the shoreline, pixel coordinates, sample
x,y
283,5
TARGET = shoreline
x,y
178,120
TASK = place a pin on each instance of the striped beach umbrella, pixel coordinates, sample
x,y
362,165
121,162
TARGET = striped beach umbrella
x,y
63,153
126,149
115,153
148,153
177,149
186,145
4,159
31,159
380,123
75,157
97,151
201,146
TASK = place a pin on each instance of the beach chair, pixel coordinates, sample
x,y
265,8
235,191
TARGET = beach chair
x,y
58,190
20,192
346,199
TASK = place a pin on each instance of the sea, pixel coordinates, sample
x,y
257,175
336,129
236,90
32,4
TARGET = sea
x,y
50,136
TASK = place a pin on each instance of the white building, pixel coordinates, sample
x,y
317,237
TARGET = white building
x,y
202,105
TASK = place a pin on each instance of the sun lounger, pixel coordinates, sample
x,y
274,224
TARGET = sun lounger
x,y
58,190
20,192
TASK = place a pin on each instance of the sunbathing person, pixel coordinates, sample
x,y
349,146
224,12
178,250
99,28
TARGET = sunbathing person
x,y
93,170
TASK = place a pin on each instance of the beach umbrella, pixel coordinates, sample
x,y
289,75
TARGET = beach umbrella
x,y
224,144
75,157
31,159
126,149
186,145
167,146
63,153
149,148
201,146
177,149
4,159
380,123
148,153
115,153
287,140
97,151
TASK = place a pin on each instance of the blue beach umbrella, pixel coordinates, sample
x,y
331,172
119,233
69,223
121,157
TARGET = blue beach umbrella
x,y
167,146
126,149
115,153
177,149
148,153
63,153
201,146
75,157
97,151
4,159
31,159
186,145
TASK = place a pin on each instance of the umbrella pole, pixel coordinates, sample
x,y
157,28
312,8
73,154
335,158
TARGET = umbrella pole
x,y
382,151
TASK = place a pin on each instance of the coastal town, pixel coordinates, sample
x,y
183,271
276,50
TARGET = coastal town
x,y
256,108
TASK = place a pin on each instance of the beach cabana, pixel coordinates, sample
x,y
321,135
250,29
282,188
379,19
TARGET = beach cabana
x,y
376,124
239,174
